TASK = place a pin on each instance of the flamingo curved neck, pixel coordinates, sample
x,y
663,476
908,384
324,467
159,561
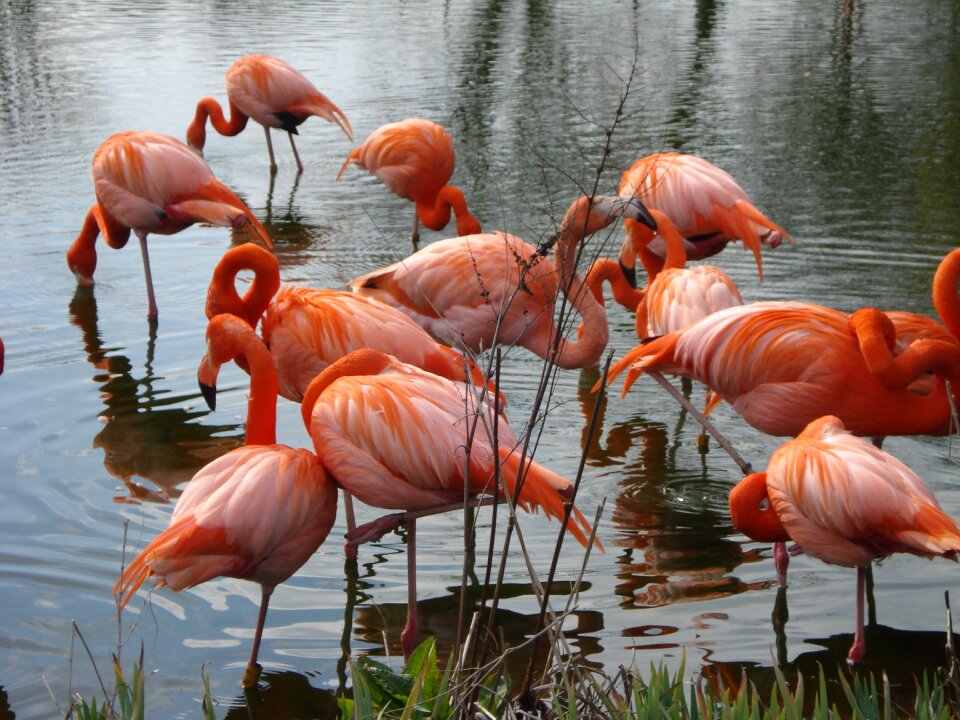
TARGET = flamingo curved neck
x,y
752,512
82,254
360,362
262,405
209,107
605,269
945,298
222,296
584,352
435,213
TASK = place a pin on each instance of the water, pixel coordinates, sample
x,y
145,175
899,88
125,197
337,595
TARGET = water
x,y
840,120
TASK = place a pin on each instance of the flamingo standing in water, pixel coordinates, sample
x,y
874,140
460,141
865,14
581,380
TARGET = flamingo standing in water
x,y
152,183
307,329
708,207
414,158
274,94
256,513
400,438
844,501
782,365
478,290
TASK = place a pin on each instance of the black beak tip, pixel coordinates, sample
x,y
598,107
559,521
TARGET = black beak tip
x,y
209,393
630,273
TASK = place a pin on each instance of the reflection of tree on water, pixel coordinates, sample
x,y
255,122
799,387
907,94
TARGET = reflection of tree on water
x,y
438,619
284,696
903,655
676,520
146,432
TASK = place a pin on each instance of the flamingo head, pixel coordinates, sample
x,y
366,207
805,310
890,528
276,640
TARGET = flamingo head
x,y
752,512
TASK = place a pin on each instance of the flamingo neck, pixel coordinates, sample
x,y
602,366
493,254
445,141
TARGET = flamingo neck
x,y
262,405
605,269
945,298
436,214
222,295
753,513
82,254
209,107
359,362
586,351
676,250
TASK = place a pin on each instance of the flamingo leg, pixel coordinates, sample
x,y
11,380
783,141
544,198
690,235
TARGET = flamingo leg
x,y
408,637
781,559
273,162
349,549
296,155
152,312
415,232
252,674
859,647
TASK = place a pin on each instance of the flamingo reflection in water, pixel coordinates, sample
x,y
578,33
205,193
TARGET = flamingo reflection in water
x,y
147,432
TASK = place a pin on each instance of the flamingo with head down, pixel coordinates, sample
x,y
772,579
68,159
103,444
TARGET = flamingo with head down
x,y
274,94
256,513
708,206
152,183
479,290
414,158
782,365
844,501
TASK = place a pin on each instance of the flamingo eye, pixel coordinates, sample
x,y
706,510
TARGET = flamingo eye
x,y
764,504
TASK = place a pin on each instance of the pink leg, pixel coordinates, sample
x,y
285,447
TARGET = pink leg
x,y
295,154
859,647
273,163
375,529
152,312
781,560
408,637
349,549
415,233
252,674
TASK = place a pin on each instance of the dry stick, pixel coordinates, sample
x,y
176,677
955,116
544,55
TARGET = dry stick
x,y
745,467
526,699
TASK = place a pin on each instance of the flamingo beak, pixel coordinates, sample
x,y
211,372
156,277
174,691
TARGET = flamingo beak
x,y
636,210
209,393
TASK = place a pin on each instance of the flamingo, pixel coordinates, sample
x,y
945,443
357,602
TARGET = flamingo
x,y
708,206
782,365
399,438
307,329
476,290
414,158
152,183
844,501
274,94
256,513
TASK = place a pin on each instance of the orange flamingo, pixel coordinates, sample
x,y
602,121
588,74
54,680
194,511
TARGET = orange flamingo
x,y
274,94
844,501
256,513
308,329
400,438
152,183
479,290
708,206
414,158
881,374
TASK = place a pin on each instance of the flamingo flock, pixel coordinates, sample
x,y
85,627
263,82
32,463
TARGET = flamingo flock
x,y
391,388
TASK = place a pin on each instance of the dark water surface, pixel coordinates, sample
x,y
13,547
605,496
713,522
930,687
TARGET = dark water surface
x,y
842,120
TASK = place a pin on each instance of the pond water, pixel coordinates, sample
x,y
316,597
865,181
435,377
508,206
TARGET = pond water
x,y
841,120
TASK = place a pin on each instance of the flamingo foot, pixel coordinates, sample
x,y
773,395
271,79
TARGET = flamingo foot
x,y
251,676
857,651
374,530
408,637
